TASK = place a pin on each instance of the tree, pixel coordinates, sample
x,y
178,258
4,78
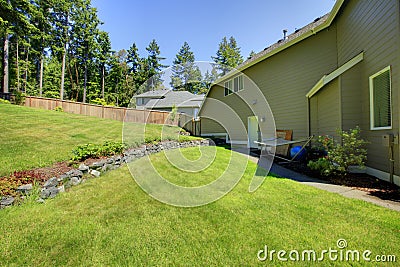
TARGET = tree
x,y
14,21
104,56
84,35
252,54
138,68
153,66
42,40
209,78
228,55
61,31
186,76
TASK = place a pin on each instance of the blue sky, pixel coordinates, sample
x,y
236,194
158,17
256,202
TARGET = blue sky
x,y
255,24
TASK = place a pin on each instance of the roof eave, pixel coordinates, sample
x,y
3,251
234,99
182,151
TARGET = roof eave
x,y
311,32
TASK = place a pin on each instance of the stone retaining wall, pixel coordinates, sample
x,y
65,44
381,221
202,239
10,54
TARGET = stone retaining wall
x,y
56,185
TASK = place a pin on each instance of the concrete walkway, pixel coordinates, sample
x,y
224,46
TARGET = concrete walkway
x,y
324,185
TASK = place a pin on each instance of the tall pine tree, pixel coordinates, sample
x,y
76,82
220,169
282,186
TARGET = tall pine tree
x,y
186,76
228,55
154,66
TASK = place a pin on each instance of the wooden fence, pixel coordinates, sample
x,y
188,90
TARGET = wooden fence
x,y
115,113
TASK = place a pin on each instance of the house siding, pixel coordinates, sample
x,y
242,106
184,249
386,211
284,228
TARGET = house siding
x,y
286,77
372,27
325,110
223,117
290,73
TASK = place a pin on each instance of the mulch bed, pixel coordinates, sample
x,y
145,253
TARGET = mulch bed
x,y
8,184
361,181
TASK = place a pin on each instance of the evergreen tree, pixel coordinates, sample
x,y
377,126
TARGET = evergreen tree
x,y
209,78
154,66
252,54
61,24
15,22
42,40
186,76
104,56
228,55
138,68
84,34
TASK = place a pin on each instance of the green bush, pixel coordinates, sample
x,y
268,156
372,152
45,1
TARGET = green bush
x,y
101,102
3,101
52,94
19,98
174,112
108,148
59,109
340,155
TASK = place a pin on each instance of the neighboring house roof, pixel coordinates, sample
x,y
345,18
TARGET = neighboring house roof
x,y
153,94
169,98
194,102
311,29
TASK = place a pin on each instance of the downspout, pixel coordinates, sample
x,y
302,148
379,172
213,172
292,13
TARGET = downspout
x,y
308,116
391,162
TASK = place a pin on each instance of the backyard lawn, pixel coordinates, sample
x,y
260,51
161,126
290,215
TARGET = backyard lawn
x,y
111,221
33,138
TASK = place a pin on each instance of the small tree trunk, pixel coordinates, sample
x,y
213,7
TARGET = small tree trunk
x,y
102,81
17,64
77,81
26,69
62,74
84,82
41,75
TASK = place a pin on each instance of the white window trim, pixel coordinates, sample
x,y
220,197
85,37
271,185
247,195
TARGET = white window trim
x,y
371,99
232,80
230,90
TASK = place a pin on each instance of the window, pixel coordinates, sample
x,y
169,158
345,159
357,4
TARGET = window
x,y
228,87
140,101
238,83
380,100
234,85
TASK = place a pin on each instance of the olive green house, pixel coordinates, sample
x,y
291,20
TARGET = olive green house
x,y
340,71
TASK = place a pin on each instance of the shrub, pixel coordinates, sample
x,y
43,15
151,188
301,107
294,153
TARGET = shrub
x,y
59,109
108,148
52,94
3,101
19,98
101,102
173,113
340,155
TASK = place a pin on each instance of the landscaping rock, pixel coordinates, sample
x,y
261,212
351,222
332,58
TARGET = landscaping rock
x,y
53,192
7,201
76,173
106,167
25,189
44,193
48,192
97,165
95,173
63,178
51,182
83,167
61,189
40,200
75,180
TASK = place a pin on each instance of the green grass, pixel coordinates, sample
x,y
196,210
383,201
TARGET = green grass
x,y
111,221
36,138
